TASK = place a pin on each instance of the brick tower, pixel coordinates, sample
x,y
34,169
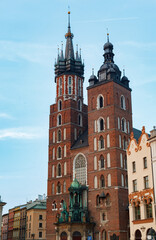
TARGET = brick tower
x,y
89,142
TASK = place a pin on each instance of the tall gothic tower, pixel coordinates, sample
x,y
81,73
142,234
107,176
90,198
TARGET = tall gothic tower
x,y
89,142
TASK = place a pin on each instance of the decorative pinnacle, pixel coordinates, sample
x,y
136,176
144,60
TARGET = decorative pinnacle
x,y
92,71
107,35
124,71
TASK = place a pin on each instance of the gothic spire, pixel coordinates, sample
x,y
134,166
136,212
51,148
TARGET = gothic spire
x,y
69,52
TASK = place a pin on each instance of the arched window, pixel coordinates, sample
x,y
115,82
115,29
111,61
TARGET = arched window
x,y
59,120
95,182
58,187
53,188
148,208
95,144
59,105
59,135
69,85
108,160
126,181
54,206
122,180
80,169
79,105
103,216
123,125
59,171
79,87
122,102
137,211
109,180
107,122
128,130
60,86
95,163
108,140
138,235
100,124
80,120
59,152
100,101
102,162
121,160
107,199
104,235
101,142
119,141
102,181
125,162
64,186
65,168
118,123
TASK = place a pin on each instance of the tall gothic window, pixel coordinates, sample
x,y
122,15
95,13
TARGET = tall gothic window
x,y
102,162
59,120
60,86
122,102
101,142
100,102
59,135
80,120
102,181
79,105
69,85
58,187
80,169
59,152
79,87
59,171
60,105
123,125
100,124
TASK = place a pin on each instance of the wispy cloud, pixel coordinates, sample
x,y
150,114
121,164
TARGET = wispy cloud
x,y
21,133
145,45
13,51
7,177
108,20
6,116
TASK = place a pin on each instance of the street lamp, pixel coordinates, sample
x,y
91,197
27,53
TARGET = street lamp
x,y
151,235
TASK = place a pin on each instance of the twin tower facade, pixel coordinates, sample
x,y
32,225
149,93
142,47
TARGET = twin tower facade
x,y
87,145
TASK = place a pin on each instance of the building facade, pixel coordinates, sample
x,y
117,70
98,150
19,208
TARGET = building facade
x,y
140,182
5,227
1,209
90,142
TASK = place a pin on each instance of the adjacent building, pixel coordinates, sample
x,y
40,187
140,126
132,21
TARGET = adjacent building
x,y
1,209
140,185
5,227
89,142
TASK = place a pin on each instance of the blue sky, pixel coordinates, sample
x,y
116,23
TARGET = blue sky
x,y
31,31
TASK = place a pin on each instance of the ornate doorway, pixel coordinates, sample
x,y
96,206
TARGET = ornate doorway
x,y
63,236
137,235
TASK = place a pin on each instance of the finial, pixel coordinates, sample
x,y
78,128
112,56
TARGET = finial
x,y
80,52
107,35
92,71
58,49
68,17
124,71
76,47
62,45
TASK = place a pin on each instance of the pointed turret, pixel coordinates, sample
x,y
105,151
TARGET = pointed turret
x,y
69,52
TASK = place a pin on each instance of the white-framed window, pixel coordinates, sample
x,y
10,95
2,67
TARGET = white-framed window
x,y
102,162
59,152
59,170
124,143
80,120
121,160
123,125
101,143
79,105
59,105
122,102
100,101
65,168
108,140
64,133
108,160
59,119
119,141
59,135
102,181
122,180
58,188
107,122
95,144
80,168
69,85
128,130
54,137
95,182
60,86
53,171
125,162
101,124
95,163
118,123
109,180
65,151
53,153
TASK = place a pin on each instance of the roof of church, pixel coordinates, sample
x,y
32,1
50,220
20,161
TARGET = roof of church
x,y
82,141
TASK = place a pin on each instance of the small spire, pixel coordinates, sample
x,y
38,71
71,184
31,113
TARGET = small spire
x,y
124,71
68,19
107,35
77,52
61,49
80,53
92,71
